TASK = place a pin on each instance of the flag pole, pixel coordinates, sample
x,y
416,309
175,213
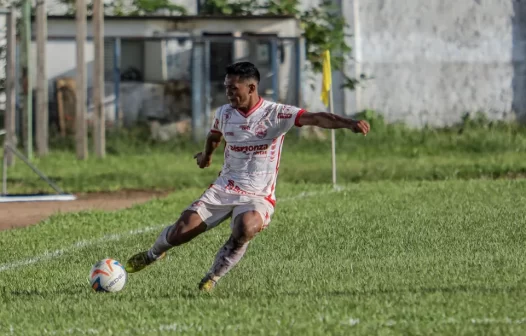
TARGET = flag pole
x,y
326,97
333,141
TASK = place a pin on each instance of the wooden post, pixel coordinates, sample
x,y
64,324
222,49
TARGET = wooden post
x,y
10,117
27,83
81,131
99,116
42,114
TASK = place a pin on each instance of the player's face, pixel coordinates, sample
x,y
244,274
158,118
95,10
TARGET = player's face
x,y
238,91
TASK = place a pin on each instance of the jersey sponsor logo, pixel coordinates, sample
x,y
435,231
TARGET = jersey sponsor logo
x,y
229,133
248,149
245,127
284,115
233,187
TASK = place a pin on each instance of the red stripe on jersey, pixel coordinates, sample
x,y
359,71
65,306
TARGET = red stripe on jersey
x,y
271,201
297,120
269,197
215,131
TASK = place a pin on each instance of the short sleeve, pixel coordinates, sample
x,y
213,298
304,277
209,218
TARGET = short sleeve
x,y
216,122
288,116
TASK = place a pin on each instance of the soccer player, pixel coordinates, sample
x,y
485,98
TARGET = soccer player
x,y
253,129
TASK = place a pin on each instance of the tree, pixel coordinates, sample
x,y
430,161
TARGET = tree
x,y
137,7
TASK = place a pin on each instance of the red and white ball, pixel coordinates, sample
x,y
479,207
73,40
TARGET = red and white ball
x,y
108,275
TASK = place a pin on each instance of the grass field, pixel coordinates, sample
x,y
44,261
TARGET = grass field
x,y
425,237
387,153
374,258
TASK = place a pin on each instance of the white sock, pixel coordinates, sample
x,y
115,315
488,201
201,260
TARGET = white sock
x,y
227,257
161,244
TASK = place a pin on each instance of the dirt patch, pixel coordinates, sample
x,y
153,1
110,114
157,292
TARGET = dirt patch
x,y
19,214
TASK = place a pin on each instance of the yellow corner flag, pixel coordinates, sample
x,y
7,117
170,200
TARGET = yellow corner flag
x,y
327,77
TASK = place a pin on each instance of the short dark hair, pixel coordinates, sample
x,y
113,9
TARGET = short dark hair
x,y
245,70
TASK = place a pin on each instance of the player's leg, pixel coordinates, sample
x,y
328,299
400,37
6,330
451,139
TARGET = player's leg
x,y
187,227
202,215
248,221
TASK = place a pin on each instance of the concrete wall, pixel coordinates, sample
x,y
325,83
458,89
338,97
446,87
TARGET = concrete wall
x,y
431,61
434,61
61,62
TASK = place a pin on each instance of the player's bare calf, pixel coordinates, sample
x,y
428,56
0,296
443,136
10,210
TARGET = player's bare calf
x,y
245,228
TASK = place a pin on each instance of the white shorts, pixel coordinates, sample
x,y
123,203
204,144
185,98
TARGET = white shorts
x,y
214,206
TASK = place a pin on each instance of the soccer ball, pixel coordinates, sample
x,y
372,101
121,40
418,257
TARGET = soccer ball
x,y
108,275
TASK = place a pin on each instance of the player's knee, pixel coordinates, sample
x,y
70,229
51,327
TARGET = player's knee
x,y
247,225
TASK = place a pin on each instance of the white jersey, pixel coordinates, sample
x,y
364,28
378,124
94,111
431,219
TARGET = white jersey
x,y
253,147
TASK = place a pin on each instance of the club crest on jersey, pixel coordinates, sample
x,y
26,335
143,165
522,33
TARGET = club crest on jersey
x,y
260,131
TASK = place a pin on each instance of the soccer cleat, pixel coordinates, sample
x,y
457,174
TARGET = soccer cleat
x,y
207,284
140,261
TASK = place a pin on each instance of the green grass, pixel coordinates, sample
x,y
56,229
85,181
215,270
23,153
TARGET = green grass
x,y
378,258
387,153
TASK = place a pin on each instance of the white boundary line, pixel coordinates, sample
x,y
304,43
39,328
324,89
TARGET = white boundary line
x,y
118,236
37,198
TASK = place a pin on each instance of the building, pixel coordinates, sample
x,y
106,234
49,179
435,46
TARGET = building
x,y
430,63
148,56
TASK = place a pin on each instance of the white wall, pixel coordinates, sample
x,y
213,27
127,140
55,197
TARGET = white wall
x,y
432,63
62,62
282,27
178,60
118,27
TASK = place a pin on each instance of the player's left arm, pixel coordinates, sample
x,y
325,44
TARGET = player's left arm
x,y
332,121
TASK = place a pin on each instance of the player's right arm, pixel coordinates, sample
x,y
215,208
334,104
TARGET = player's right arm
x,y
204,158
213,140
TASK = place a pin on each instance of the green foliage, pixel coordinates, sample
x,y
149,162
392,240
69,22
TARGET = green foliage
x,y
226,7
324,29
137,7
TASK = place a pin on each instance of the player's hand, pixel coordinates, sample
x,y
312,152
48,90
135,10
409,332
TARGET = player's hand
x,y
202,160
360,126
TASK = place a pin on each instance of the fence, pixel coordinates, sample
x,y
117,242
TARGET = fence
x,y
173,82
